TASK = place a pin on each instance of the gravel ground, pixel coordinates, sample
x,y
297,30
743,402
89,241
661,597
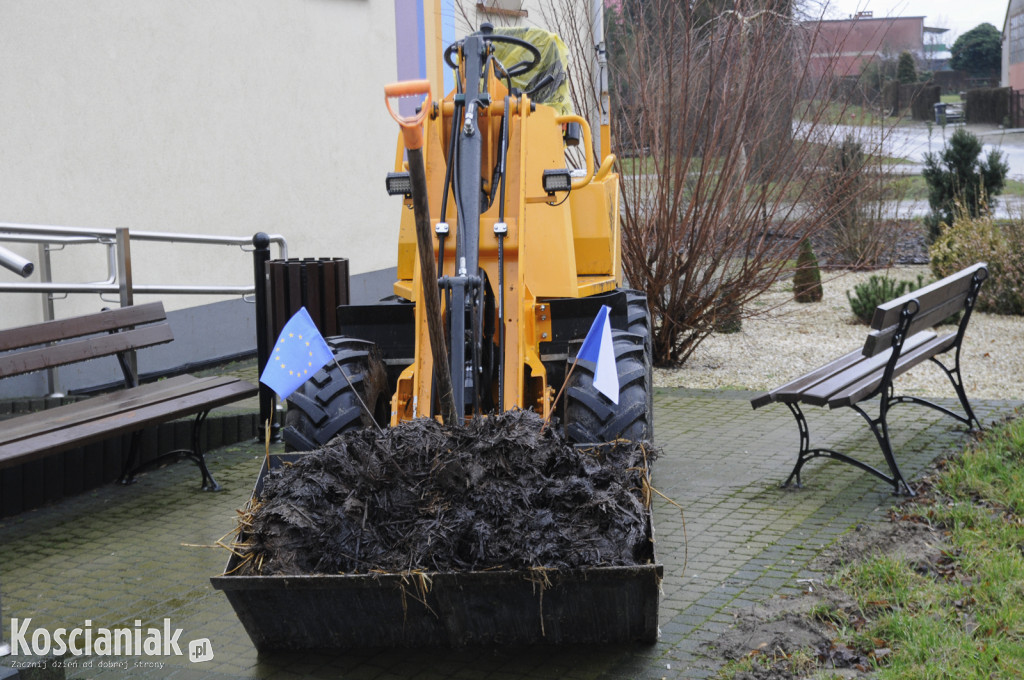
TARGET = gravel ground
x,y
786,339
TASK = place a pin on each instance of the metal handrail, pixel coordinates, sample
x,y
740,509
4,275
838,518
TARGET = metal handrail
x,y
95,232
16,263
119,266
63,235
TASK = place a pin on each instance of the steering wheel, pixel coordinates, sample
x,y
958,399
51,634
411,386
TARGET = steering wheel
x,y
518,69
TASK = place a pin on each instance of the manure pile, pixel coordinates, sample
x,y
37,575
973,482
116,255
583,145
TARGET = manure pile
x,y
496,493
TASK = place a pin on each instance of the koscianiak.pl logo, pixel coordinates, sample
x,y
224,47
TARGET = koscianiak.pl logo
x,y
87,640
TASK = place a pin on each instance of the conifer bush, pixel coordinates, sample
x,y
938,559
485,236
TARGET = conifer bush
x,y
807,280
875,291
958,176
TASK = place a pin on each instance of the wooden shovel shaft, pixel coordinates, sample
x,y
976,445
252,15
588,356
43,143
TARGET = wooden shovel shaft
x,y
428,275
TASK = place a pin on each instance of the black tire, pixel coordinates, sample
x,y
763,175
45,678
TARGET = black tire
x,y
326,406
638,316
592,417
638,322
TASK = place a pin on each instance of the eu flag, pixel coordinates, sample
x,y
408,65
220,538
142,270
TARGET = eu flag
x,y
300,352
598,348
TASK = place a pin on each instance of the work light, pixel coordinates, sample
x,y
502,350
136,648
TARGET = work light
x,y
556,180
399,184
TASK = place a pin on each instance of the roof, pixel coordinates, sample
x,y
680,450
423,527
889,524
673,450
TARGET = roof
x,y
890,18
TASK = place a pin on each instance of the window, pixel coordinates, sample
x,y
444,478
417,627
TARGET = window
x,y
1017,38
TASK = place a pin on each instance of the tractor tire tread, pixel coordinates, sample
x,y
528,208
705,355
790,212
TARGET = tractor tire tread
x,y
327,405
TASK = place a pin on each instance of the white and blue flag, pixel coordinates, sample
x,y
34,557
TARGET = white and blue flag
x,y
598,348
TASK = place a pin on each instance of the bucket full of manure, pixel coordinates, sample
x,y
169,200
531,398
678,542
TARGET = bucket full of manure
x,y
496,532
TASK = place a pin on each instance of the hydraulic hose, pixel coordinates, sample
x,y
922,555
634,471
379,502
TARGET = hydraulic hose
x,y
501,232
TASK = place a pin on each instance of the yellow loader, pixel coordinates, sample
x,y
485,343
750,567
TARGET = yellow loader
x,y
526,248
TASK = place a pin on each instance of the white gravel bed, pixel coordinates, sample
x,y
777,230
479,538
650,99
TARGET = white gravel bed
x,y
790,338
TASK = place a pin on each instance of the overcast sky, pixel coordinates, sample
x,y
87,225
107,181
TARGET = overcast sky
x,y
959,16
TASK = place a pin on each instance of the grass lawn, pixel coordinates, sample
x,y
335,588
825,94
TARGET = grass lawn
x,y
837,113
956,610
965,620
914,188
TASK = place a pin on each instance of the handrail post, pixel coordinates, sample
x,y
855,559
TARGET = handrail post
x,y
260,256
124,287
46,276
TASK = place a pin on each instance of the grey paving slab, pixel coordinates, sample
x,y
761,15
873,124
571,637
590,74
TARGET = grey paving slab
x,y
145,553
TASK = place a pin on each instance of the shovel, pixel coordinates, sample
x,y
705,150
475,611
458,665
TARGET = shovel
x,y
412,135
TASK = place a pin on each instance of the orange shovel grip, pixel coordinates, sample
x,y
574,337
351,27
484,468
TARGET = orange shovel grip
x,y
412,126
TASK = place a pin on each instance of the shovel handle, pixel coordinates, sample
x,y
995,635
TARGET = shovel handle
x,y
412,126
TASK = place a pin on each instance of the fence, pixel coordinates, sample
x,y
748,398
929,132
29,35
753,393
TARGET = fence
x,y
1016,115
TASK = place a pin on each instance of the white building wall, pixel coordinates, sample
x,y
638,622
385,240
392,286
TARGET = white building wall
x,y
222,117
209,116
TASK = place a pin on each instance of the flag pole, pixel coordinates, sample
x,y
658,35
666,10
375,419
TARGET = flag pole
x,y
362,403
267,441
559,395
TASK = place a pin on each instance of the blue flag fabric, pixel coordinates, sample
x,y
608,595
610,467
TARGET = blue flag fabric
x,y
598,348
300,352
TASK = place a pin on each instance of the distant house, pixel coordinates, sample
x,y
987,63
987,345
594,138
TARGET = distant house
x,y
843,47
1013,46
937,56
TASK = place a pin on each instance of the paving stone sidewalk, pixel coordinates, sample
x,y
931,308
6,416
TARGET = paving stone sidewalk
x,y
142,553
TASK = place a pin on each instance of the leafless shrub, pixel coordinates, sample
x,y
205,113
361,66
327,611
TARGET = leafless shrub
x,y
722,188
723,133
866,192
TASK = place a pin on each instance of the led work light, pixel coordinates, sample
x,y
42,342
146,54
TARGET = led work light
x,y
556,180
399,184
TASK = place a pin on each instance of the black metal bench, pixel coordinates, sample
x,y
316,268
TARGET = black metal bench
x,y
901,338
127,410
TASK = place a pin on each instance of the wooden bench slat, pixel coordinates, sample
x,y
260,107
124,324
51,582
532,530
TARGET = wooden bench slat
x,y
814,377
219,391
888,313
937,301
825,380
822,393
879,341
91,324
94,407
122,401
908,359
73,351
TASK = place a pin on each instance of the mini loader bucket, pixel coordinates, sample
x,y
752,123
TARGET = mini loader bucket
x,y
447,609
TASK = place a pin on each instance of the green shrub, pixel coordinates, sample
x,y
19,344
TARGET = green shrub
x,y
876,290
958,176
729,319
807,279
983,239
906,68
728,314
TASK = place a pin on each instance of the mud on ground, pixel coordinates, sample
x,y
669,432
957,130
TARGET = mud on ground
x,y
789,639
